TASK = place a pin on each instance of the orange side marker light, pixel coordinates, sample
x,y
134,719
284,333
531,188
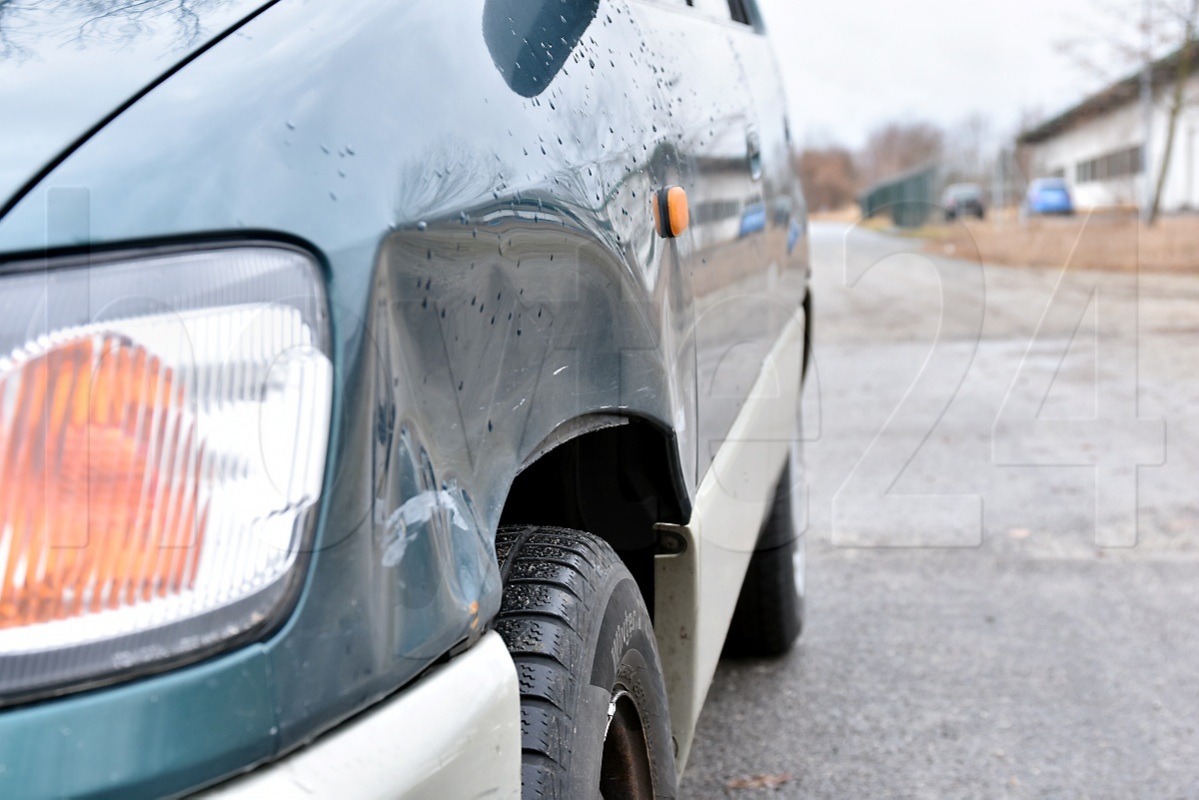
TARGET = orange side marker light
x,y
671,214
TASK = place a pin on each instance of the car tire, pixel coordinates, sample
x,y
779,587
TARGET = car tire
x,y
769,616
594,715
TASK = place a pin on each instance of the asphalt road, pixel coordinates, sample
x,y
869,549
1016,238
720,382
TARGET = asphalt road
x,y
1003,574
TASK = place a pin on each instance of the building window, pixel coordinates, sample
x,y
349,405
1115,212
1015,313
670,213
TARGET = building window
x,y
1119,164
739,12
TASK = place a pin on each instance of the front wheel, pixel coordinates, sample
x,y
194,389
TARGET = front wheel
x,y
594,716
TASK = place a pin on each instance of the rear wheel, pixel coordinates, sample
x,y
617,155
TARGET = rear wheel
x,y
594,716
770,609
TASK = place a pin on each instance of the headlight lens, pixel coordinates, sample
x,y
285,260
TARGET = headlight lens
x,y
163,427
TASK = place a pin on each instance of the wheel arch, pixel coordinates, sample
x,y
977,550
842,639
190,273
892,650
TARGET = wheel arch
x,y
615,476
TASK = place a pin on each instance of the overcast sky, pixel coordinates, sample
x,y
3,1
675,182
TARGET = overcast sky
x,y
851,64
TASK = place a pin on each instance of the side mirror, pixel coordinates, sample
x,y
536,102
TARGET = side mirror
x,y
530,40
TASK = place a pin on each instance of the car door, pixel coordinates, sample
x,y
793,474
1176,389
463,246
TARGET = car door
x,y
727,131
735,171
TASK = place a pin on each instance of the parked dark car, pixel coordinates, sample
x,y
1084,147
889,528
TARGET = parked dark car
x,y
1049,196
396,399
963,200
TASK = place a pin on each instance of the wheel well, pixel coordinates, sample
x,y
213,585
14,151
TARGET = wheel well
x,y
615,483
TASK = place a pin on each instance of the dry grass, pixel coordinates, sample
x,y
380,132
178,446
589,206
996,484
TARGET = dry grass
x,y
1104,242
850,213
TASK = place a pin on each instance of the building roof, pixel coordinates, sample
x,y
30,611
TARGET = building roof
x,y
1120,93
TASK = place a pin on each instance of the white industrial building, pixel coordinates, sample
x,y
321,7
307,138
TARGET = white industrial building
x,y
1097,144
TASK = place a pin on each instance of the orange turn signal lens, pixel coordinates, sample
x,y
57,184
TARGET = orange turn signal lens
x,y
100,490
164,421
671,213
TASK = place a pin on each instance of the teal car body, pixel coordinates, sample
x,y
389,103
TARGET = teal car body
x,y
477,212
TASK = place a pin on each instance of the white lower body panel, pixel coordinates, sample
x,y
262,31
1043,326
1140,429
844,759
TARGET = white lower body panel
x,y
696,591
455,733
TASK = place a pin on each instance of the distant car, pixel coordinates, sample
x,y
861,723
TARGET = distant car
x,y
963,199
1049,196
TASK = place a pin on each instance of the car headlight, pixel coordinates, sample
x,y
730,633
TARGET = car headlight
x,y
164,422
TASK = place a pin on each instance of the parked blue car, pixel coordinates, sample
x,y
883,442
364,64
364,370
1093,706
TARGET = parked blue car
x,y
376,417
1049,196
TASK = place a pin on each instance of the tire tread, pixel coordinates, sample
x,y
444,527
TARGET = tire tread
x,y
547,592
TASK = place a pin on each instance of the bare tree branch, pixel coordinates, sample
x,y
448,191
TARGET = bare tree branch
x,y
117,21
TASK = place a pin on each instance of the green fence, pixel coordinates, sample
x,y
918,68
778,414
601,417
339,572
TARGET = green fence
x,y
909,198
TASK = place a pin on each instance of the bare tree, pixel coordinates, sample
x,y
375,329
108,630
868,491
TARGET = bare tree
x,y
1184,15
969,150
1028,119
828,176
895,147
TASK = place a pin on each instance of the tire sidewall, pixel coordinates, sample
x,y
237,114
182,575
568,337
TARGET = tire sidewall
x,y
622,653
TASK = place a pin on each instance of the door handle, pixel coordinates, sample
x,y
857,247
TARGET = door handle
x,y
753,153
